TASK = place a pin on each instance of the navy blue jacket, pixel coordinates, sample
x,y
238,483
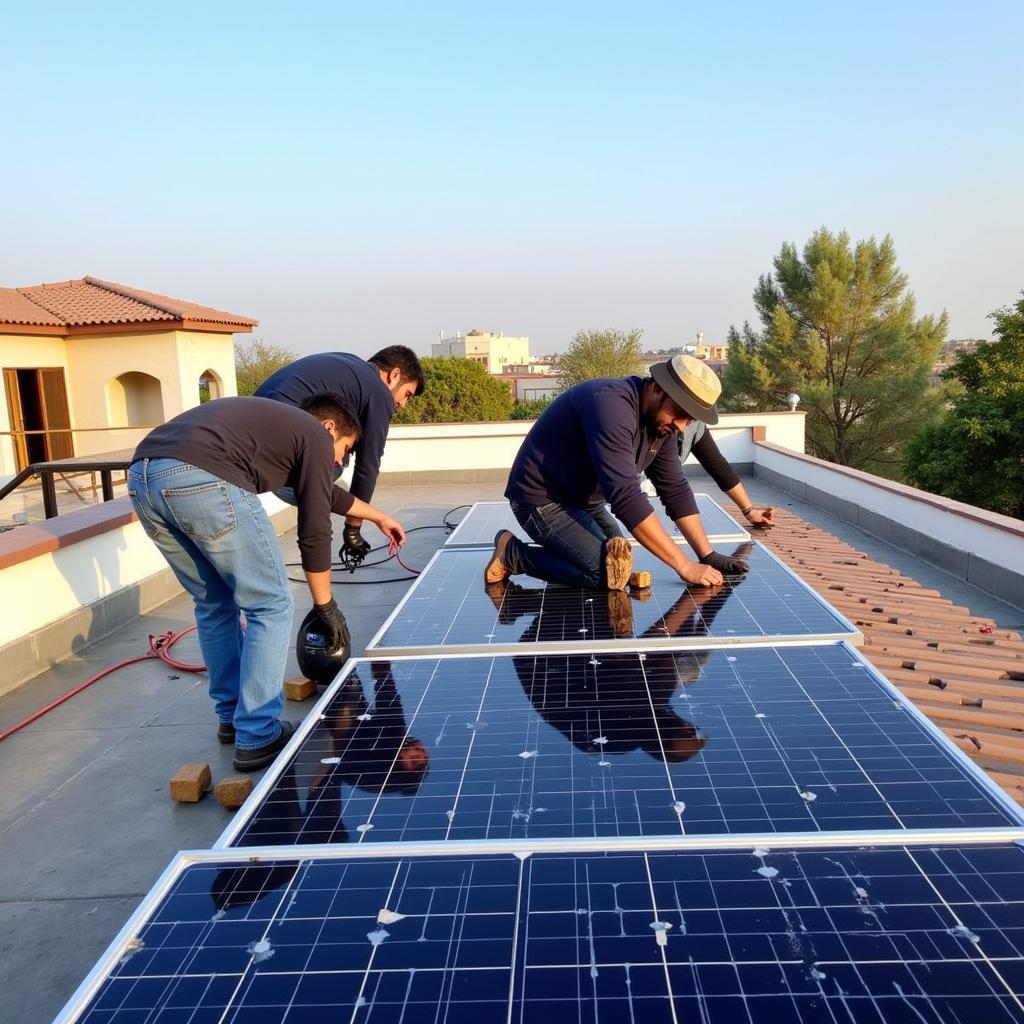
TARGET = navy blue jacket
x,y
590,445
365,394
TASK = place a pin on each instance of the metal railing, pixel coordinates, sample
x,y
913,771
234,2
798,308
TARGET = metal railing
x,y
106,464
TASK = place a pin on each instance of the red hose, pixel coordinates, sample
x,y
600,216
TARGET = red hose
x,y
159,647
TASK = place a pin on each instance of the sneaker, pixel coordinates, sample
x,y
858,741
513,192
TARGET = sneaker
x,y
260,757
226,732
496,570
618,562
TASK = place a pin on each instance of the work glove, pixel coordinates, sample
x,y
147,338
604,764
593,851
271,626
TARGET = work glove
x,y
335,626
354,549
724,564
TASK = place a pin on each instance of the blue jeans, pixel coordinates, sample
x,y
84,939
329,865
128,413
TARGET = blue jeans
x,y
219,542
571,543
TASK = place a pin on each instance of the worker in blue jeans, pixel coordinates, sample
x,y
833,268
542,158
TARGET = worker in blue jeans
x,y
195,485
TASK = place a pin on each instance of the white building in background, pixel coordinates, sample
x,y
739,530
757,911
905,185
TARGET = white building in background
x,y
494,352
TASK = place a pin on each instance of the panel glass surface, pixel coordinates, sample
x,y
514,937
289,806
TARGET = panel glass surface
x,y
799,739
449,606
486,518
917,934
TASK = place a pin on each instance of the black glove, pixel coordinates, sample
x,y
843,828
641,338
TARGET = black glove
x,y
335,626
354,549
724,564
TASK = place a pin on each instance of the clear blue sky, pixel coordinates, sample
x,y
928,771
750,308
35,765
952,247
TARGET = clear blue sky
x,y
356,175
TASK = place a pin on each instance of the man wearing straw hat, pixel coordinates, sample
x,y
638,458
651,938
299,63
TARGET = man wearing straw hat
x,y
589,447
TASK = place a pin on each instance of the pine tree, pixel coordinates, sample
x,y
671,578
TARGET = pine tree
x,y
839,327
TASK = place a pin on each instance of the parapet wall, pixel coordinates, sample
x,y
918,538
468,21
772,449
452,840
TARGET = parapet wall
x,y
982,547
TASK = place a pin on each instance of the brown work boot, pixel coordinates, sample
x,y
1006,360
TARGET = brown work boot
x,y
618,562
620,613
496,569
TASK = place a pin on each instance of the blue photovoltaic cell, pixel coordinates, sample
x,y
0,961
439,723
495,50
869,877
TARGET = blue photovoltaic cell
x,y
655,743
449,606
479,525
916,933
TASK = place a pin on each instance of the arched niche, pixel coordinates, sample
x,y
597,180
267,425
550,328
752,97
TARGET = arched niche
x,y
135,399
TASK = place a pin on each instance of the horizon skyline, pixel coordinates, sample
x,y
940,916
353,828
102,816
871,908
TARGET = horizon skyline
x,y
354,178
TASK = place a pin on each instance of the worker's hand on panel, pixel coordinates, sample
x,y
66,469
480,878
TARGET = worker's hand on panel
x,y
705,575
724,563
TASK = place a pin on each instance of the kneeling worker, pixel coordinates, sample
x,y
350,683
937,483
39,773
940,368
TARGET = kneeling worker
x,y
589,446
194,485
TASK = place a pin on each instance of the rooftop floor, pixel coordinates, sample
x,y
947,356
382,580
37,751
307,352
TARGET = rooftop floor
x,y
86,825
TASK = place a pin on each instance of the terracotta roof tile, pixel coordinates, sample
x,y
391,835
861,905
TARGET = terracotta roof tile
x,y
16,308
89,301
959,669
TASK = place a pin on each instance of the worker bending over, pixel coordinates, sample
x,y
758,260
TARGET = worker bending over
x,y
195,484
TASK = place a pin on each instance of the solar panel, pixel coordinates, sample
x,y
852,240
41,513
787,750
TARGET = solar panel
x,y
449,607
479,525
751,740
931,933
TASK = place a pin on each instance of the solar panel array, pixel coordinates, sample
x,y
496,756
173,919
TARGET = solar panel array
x,y
916,933
532,804
620,744
448,607
479,525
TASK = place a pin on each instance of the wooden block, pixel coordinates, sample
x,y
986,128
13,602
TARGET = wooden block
x,y
190,782
299,688
231,792
640,579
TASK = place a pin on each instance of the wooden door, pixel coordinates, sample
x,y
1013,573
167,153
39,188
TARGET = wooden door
x,y
56,417
17,418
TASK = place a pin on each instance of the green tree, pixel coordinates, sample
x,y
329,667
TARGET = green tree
x,y
529,408
256,360
839,327
975,453
457,391
607,353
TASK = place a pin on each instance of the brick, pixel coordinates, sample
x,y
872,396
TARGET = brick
x,y
232,792
299,688
190,782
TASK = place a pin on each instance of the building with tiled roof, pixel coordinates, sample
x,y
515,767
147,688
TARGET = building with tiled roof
x,y
90,365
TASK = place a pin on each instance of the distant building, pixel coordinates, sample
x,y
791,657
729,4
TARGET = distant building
x,y
495,352
527,383
90,366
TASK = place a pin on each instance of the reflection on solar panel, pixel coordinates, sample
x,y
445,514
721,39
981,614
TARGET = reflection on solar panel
x,y
619,744
449,606
906,933
479,525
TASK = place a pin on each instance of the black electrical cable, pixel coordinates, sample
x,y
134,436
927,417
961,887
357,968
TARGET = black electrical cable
x,y
341,567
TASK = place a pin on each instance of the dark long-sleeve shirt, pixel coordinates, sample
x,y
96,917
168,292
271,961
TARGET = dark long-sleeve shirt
x,y
365,394
697,438
590,445
260,446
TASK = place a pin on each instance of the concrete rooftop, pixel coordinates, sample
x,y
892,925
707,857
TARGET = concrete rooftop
x,y
86,825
